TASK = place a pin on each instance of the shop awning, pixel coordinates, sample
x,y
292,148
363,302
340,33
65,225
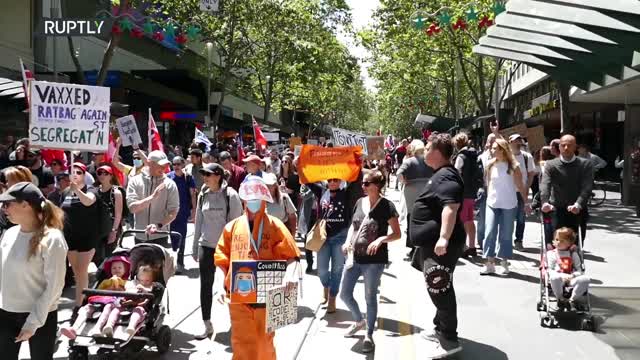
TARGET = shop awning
x,y
586,43
11,89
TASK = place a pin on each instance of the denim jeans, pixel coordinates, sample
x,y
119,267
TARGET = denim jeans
x,y
520,219
499,224
482,209
372,274
331,251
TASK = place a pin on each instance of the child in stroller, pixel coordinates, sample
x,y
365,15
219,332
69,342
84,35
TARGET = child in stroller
x,y
565,269
144,283
119,267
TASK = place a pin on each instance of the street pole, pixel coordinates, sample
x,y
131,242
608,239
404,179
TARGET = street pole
x,y
267,105
208,118
54,14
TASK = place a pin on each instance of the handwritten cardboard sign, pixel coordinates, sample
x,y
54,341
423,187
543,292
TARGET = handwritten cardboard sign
x,y
282,307
317,163
375,148
343,137
69,116
128,130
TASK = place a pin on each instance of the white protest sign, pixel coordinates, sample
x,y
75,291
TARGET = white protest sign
x,y
282,307
296,150
210,5
343,137
271,136
69,116
128,130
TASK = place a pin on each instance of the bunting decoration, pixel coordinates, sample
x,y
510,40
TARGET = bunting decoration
x,y
433,24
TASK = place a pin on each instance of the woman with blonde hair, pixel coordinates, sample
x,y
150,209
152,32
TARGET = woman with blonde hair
x,y
16,174
33,265
504,178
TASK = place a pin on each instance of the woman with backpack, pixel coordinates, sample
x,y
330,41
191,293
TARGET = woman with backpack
x,y
217,204
112,197
80,231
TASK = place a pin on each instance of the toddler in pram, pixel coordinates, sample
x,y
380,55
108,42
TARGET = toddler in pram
x,y
565,270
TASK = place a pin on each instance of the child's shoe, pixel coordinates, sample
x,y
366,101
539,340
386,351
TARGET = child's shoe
x,y
107,331
69,332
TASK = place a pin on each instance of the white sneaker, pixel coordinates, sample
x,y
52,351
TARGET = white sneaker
x,y
355,327
488,268
505,267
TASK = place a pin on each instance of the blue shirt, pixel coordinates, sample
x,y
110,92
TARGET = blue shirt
x,y
184,183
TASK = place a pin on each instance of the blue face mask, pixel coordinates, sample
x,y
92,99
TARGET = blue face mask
x,y
137,163
245,285
254,205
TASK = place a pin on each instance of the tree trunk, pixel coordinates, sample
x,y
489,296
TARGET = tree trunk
x,y
108,54
76,62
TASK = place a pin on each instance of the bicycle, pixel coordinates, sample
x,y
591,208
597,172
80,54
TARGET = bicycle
x,y
598,194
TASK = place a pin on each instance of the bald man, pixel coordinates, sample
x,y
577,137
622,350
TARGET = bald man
x,y
566,187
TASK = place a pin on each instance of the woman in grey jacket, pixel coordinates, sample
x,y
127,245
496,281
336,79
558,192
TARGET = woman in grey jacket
x,y
217,204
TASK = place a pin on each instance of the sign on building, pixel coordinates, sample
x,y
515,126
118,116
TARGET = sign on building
x,y
69,116
282,307
128,130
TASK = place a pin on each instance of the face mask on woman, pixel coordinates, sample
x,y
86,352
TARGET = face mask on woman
x,y
254,205
137,163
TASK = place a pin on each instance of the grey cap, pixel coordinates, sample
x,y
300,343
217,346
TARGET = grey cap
x,y
23,191
158,157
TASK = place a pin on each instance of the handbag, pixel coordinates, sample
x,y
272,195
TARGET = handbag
x,y
317,236
318,233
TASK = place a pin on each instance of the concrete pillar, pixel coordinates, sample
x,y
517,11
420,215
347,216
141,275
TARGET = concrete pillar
x,y
566,126
631,144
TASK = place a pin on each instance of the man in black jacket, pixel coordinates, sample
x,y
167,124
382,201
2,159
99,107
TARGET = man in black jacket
x,y
566,186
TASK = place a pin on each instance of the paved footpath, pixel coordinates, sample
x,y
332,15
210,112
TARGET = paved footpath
x,y
498,318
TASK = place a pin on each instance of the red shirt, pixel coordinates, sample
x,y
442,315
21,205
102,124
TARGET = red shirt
x,y
237,176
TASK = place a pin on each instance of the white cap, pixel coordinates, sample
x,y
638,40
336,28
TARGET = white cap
x,y
254,188
158,157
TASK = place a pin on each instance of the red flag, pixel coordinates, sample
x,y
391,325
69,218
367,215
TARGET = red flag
x,y
240,144
258,136
108,158
154,136
26,76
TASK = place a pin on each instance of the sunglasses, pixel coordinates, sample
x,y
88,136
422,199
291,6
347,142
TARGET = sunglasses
x,y
55,164
216,173
78,172
366,183
103,173
334,180
178,164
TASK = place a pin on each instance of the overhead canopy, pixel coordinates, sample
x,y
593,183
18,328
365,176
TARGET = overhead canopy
x,y
586,43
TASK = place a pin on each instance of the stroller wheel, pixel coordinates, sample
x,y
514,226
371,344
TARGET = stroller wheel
x,y
541,306
588,324
547,322
163,339
78,353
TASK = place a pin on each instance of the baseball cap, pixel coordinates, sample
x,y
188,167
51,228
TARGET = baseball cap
x,y
212,168
23,191
514,137
269,178
158,157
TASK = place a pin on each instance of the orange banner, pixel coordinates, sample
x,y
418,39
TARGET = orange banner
x,y
317,163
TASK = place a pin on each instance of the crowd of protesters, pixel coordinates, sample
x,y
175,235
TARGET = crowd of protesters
x,y
51,206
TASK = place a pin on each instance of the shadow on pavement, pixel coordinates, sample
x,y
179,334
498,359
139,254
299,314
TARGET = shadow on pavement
x,y
523,277
357,348
397,328
476,350
618,316
614,219
224,338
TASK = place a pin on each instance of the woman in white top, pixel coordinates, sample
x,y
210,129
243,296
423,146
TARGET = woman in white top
x,y
504,178
32,268
282,207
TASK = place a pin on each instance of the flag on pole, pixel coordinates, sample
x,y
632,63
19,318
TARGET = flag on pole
x,y
201,138
261,141
26,76
109,158
240,149
154,136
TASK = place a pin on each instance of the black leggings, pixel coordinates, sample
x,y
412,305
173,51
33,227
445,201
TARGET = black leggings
x,y
41,344
207,275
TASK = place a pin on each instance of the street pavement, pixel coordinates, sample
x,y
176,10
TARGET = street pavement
x,y
497,316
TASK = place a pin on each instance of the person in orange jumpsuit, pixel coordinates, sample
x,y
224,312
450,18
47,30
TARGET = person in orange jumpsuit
x,y
253,236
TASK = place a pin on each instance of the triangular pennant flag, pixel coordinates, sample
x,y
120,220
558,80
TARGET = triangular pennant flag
x,y
259,138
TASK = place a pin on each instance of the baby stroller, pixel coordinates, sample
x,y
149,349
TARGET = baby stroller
x,y
151,330
549,313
